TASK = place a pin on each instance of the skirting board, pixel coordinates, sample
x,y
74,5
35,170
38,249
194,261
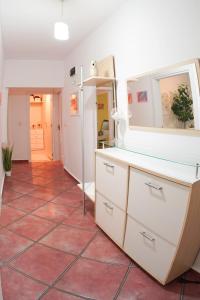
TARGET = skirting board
x,y
65,168
196,265
1,188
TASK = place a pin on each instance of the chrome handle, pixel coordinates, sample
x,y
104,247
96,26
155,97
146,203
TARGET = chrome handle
x,y
107,205
108,165
154,186
146,236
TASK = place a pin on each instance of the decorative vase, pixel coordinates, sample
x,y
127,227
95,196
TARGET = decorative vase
x,y
8,173
93,68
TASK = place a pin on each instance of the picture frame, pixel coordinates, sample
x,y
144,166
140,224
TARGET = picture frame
x,y
74,104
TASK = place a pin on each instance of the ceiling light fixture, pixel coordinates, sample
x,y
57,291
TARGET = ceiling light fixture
x,y
61,29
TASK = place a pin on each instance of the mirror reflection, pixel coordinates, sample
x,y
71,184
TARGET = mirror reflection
x,y
105,124
167,99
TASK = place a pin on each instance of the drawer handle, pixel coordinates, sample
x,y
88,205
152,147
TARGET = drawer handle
x,y
144,234
154,186
107,205
108,165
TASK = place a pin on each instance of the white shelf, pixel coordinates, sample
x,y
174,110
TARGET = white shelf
x,y
89,189
98,81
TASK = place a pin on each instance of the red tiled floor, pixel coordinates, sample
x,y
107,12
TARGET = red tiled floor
x,y
57,295
23,187
16,286
93,279
32,227
11,244
27,203
192,290
103,249
9,195
141,286
70,198
37,180
54,212
43,263
44,194
77,219
59,186
68,239
9,215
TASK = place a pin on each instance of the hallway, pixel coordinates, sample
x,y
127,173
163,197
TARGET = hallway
x,y
49,250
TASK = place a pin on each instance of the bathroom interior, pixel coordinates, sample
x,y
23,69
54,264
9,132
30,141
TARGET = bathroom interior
x,y
41,127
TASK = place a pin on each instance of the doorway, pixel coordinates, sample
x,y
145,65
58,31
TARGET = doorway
x,y
34,124
41,127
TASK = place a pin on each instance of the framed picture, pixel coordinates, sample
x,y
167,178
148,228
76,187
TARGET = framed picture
x,y
74,104
130,98
142,96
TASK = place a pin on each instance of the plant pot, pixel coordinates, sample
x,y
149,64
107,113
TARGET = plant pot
x,y
8,173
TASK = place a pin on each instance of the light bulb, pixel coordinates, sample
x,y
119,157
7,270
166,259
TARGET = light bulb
x,y
61,31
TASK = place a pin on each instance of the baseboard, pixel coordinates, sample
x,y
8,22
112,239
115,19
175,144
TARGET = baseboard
x,y
20,161
196,268
65,168
1,189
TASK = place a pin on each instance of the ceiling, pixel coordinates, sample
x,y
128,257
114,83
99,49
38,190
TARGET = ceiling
x,y
27,25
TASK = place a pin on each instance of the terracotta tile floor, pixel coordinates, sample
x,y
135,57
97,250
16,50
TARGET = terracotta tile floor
x,y
50,251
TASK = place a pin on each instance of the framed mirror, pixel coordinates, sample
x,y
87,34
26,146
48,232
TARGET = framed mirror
x,y
167,99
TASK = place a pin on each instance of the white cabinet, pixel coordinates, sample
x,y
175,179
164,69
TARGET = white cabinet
x,y
112,180
151,209
150,251
37,139
159,204
110,218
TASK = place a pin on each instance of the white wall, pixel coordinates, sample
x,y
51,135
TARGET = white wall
x,y
19,126
1,112
142,35
34,73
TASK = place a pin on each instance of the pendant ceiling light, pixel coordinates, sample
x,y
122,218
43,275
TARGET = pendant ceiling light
x,y
61,29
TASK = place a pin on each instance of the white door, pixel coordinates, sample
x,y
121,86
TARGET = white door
x,y
18,126
47,125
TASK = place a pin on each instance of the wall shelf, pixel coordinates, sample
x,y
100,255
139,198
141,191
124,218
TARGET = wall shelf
x,y
98,81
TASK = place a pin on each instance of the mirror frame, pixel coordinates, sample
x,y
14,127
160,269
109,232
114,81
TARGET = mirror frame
x,y
193,68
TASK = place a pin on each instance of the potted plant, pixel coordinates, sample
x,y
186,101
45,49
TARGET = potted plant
x,y
182,104
7,158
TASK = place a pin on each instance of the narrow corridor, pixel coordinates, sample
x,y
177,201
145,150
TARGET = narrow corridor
x,y
50,251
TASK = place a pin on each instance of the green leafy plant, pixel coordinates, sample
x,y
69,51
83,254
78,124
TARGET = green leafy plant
x,y
7,157
182,104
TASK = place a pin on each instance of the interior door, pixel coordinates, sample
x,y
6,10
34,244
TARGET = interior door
x,y
47,125
18,126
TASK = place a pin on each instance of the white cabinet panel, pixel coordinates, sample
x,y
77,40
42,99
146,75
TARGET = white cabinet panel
x,y
159,204
110,218
148,250
112,180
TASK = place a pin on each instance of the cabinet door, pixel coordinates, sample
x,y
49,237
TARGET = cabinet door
x,y
112,180
147,249
111,219
159,204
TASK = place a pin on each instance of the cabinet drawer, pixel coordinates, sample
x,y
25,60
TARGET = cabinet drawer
x,y
148,250
112,180
110,218
159,204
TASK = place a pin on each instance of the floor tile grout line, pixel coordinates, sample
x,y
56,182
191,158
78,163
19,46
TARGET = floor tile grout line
x,y
72,294
31,212
182,291
70,266
122,282
33,243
